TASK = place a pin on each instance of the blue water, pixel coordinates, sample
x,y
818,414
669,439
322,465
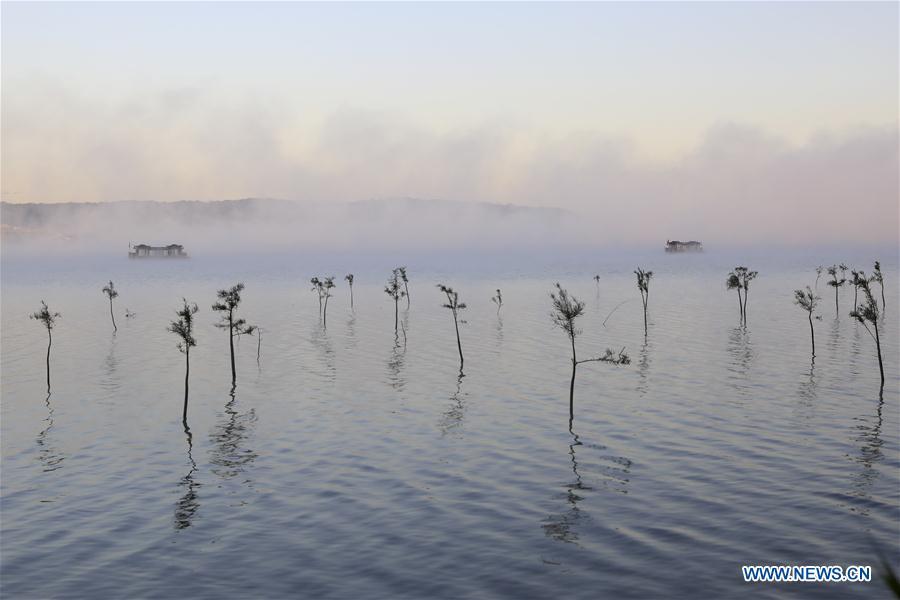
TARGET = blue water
x,y
353,463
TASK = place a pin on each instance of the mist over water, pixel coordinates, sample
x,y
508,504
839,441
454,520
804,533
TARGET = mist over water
x,y
484,147
259,226
350,462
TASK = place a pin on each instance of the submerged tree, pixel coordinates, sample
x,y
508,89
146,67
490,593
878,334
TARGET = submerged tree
x,y
643,283
747,278
405,279
327,285
184,329
567,308
836,284
48,320
734,283
498,300
855,281
744,277
455,306
227,304
819,270
317,286
877,276
867,313
323,287
740,278
808,301
349,279
110,291
393,290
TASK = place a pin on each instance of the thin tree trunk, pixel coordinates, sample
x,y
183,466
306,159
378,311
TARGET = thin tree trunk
x,y
49,343
325,314
740,305
458,344
320,305
855,296
883,304
878,347
112,316
406,289
187,372
258,343
812,334
837,311
572,384
231,347
746,295
644,299
351,296
396,313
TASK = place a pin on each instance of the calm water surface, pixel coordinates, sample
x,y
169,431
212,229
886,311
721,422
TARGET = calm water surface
x,y
350,463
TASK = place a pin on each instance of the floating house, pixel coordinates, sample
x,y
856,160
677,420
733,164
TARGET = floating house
x,y
676,246
145,251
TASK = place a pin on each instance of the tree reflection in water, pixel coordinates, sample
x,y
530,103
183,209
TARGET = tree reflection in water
x,y
187,505
741,352
807,392
110,380
321,340
229,457
395,364
643,369
453,416
50,457
614,474
868,434
563,526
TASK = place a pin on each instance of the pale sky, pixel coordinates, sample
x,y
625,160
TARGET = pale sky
x,y
491,102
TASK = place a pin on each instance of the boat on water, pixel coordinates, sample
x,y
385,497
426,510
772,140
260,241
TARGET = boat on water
x,y
147,251
677,246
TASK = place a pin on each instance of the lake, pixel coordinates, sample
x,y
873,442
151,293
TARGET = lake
x,y
350,462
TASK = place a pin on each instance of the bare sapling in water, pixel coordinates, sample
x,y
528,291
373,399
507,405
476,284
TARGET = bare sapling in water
x,y
567,308
395,291
744,276
643,283
498,300
879,277
317,287
455,306
48,320
836,284
183,327
405,279
110,291
323,287
867,313
349,279
229,300
808,301
733,282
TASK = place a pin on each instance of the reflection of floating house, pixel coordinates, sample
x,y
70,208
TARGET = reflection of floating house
x,y
676,246
145,251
